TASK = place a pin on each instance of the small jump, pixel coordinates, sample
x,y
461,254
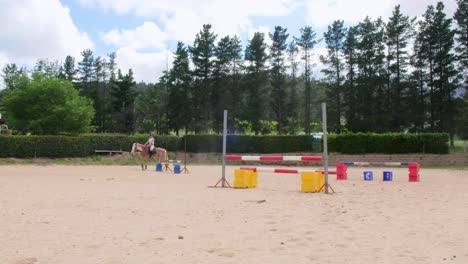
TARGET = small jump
x,y
273,158
283,170
388,164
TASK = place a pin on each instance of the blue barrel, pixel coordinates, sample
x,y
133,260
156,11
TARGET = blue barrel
x,y
159,167
368,176
176,168
387,176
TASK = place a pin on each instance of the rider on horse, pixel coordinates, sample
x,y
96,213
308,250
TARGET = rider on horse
x,y
150,143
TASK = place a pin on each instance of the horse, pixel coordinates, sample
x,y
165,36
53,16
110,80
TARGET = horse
x,y
144,151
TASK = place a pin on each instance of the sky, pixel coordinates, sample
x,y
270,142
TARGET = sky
x,y
144,33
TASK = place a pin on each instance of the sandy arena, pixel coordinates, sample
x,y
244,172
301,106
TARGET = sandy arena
x,y
113,214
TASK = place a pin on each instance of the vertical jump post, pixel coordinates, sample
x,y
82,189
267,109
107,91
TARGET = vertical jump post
x,y
223,181
325,145
224,146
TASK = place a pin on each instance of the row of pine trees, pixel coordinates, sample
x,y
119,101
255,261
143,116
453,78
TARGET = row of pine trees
x,y
399,74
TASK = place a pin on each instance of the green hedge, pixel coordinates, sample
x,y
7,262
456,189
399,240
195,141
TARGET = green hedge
x,y
45,146
74,146
389,143
359,143
252,144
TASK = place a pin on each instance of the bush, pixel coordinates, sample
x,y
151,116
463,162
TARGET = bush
x,y
252,144
389,143
75,146
45,146
45,105
360,143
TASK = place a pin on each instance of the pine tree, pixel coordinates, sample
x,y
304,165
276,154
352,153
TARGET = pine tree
x,y
399,31
435,41
461,17
202,57
292,112
278,78
105,72
69,70
306,43
351,60
87,72
49,68
102,94
335,41
11,74
426,55
371,104
112,66
256,57
85,66
445,67
123,95
221,71
417,96
235,97
149,109
179,81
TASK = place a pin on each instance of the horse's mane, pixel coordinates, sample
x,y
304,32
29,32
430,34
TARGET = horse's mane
x,y
137,147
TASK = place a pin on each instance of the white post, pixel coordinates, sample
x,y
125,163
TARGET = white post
x,y
224,148
325,145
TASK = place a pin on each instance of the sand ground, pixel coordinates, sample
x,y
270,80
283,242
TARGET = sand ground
x,y
113,214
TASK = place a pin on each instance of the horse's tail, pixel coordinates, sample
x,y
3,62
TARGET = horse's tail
x,y
166,156
133,148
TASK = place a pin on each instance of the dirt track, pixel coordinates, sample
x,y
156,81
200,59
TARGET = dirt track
x,y
112,214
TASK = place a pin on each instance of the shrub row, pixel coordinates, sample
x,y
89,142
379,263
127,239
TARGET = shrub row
x,y
389,143
74,146
252,144
359,143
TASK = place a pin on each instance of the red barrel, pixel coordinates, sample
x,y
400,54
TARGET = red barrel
x,y
341,171
413,172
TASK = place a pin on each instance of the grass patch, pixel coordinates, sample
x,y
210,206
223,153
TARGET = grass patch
x,y
459,147
445,167
116,160
93,160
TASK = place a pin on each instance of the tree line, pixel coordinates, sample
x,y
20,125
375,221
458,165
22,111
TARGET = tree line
x,y
398,74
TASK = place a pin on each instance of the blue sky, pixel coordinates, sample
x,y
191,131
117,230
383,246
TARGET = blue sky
x,y
144,32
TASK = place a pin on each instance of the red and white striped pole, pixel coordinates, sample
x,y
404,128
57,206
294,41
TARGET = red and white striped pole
x,y
273,158
282,170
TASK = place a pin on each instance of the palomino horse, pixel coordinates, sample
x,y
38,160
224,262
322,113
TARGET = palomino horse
x,y
144,151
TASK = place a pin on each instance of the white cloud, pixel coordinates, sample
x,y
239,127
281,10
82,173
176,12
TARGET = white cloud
x,y
148,35
142,49
31,29
321,13
182,19
147,66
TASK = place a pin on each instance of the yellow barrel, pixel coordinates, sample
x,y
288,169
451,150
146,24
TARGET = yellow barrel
x,y
254,179
245,178
312,181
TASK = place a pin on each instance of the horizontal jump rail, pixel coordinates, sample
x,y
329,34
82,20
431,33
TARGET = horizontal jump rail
x,y
273,158
282,170
389,164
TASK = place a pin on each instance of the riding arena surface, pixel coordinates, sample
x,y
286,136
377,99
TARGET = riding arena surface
x,y
120,214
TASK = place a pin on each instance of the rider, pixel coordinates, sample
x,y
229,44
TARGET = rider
x,y
150,143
